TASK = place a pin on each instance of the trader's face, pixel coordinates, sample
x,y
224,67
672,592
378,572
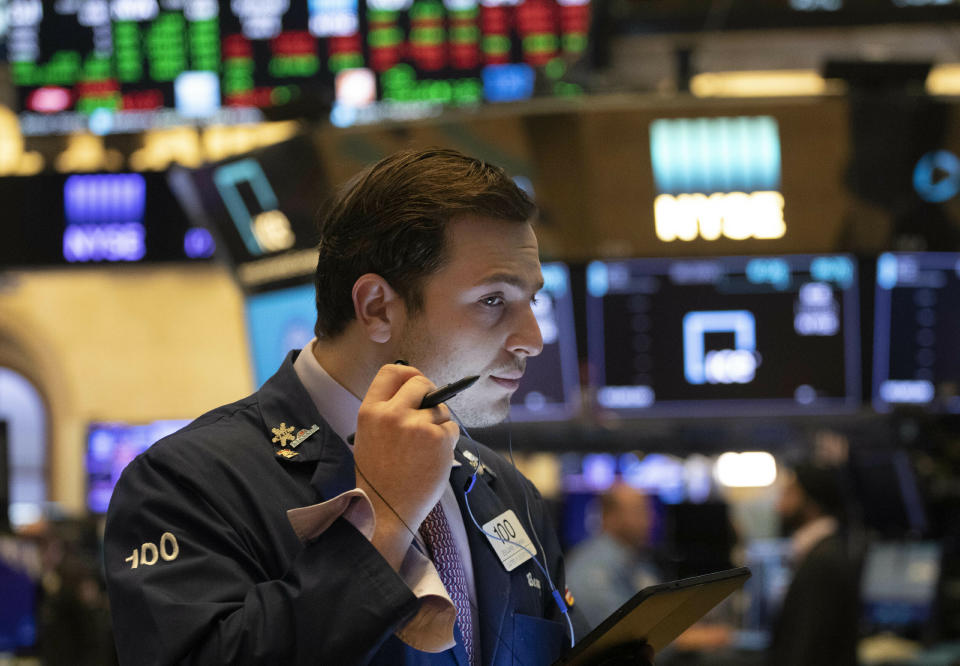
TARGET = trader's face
x,y
477,316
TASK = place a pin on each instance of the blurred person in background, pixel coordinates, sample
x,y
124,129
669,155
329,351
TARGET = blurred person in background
x,y
606,570
71,615
818,622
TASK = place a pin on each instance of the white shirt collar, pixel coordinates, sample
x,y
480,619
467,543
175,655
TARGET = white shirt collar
x,y
808,536
337,405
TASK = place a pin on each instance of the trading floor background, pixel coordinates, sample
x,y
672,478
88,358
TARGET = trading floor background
x,y
750,234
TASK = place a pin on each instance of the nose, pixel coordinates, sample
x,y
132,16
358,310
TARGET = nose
x,y
525,340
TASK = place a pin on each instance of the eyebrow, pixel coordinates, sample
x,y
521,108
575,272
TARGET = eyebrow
x,y
512,279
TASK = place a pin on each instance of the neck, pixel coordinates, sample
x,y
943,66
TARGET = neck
x,y
351,361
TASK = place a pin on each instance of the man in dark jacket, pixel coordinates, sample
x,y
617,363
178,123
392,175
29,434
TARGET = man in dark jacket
x,y
818,621
326,519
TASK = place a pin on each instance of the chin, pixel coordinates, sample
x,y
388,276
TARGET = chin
x,y
476,416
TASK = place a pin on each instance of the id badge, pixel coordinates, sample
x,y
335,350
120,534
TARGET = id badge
x,y
509,540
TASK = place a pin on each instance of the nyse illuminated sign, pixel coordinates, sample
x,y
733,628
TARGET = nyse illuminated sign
x,y
104,215
717,177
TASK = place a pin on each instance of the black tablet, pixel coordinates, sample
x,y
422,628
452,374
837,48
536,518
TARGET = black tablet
x,y
657,614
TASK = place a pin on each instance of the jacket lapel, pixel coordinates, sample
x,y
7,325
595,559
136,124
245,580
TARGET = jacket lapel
x,y
334,473
492,580
289,417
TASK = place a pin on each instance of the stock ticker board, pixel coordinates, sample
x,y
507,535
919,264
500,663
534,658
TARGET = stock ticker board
x,y
96,61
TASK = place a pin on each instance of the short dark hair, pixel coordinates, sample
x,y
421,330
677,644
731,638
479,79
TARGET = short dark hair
x,y
823,486
390,219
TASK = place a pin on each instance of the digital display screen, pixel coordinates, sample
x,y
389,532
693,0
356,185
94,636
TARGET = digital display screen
x,y
128,65
96,219
114,65
917,319
900,584
721,336
261,208
18,580
686,15
111,447
550,389
429,54
278,321
717,177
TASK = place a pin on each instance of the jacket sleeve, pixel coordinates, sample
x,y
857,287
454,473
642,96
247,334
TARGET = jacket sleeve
x,y
187,586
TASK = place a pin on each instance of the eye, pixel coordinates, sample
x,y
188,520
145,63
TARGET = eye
x,y
534,300
492,301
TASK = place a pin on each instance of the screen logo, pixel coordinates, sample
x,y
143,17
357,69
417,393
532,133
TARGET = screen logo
x,y
266,230
717,177
936,177
104,215
719,366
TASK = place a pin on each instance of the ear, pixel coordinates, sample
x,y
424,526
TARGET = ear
x,y
378,308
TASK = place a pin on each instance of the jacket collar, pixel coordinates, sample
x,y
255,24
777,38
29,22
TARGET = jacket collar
x,y
289,415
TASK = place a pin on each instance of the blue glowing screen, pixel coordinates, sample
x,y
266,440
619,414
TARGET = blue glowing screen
x,y
111,447
278,321
706,155
722,335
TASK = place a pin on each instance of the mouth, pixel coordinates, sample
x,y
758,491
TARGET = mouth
x,y
511,383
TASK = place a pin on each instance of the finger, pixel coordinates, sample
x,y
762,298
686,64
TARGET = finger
x,y
452,430
388,381
412,392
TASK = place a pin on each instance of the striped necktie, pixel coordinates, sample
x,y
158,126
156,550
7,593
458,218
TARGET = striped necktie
x,y
436,533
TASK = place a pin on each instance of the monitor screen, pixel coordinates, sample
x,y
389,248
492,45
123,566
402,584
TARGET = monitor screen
x,y
19,561
685,16
96,219
899,584
131,65
122,66
4,479
111,447
261,208
550,389
917,320
278,321
415,57
724,335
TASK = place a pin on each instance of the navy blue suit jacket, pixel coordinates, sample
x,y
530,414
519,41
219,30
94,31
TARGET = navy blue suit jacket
x,y
203,566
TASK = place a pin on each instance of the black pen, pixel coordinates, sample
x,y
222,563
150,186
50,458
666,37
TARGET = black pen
x,y
444,393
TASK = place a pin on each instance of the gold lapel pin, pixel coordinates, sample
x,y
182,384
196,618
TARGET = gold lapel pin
x,y
282,434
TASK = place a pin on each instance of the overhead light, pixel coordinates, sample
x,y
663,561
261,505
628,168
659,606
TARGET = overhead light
x,y
772,83
750,469
944,80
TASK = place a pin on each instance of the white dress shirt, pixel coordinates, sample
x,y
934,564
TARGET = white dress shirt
x,y
339,408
